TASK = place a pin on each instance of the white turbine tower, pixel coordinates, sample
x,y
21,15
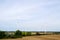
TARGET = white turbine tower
x,y
45,26
18,23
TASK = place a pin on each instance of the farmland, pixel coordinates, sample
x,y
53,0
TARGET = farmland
x,y
40,37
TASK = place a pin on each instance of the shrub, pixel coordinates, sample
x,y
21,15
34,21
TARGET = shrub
x,y
37,33
23,33
28,34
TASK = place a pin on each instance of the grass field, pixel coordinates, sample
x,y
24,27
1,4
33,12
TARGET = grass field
x,y
43,37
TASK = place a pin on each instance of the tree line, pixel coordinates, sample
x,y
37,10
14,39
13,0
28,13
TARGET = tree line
x,y
17,34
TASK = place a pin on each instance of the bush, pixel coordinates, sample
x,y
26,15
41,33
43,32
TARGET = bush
x,y
37,33
56,33
28,34
23,33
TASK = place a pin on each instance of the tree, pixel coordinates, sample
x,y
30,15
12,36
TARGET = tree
x,y
2,34
18,33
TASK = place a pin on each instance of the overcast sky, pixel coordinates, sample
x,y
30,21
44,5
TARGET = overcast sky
x,y
30,15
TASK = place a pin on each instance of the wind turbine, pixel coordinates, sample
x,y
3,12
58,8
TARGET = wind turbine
x,y
45,27
18,23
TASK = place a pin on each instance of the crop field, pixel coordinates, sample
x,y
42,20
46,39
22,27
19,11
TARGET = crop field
x,y
41,37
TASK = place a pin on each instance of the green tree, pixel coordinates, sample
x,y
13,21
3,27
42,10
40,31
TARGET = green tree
x,y
2,34
18,33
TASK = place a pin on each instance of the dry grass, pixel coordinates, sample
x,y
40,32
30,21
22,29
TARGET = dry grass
x,y
45,37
